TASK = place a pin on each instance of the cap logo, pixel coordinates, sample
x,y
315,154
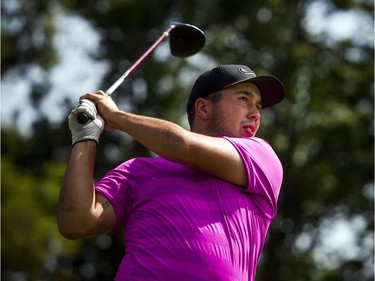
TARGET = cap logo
x,y
244,70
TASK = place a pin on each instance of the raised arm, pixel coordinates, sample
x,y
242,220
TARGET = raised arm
x,y
82,212
212,155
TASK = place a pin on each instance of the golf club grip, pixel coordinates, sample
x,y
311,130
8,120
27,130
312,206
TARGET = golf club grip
x,y
82,118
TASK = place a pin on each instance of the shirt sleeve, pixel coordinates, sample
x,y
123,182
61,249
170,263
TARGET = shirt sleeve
x,y
264,172
115,186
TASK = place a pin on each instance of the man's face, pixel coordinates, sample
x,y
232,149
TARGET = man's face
x,y
237,114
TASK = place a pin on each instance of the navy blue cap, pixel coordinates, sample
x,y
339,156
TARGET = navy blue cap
x,y
223,76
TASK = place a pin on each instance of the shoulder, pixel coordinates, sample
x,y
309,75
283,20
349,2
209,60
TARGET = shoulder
x,y
258,155
251,145
264,171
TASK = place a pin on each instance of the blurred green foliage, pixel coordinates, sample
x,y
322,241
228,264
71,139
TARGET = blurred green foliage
x,y
322,131
31,245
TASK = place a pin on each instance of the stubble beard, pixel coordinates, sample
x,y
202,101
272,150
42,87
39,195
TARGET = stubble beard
x,y
217,126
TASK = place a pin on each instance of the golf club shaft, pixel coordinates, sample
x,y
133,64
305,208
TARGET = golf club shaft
x,y
138,62
82,117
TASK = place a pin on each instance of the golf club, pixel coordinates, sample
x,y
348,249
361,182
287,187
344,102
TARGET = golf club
x,y
185,40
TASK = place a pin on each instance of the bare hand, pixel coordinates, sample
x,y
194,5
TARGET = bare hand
x,y
106,107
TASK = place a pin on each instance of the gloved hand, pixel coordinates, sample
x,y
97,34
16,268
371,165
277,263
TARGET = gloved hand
x,y
90,130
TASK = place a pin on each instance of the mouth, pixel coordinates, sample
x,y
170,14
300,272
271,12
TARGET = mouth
x,y
249,130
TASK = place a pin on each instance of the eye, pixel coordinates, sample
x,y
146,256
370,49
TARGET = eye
x,y
244,98
259,107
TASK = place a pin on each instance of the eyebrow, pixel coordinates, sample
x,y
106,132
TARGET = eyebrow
x,y
249,93
246,92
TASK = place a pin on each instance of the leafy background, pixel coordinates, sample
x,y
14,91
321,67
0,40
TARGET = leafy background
x,y
54,51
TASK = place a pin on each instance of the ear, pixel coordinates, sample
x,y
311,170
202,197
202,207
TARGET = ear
x,y
202,108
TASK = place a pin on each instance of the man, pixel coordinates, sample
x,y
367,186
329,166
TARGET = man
x,y
202,209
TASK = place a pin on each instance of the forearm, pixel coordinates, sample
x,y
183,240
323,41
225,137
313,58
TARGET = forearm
x,y
77,195
160,136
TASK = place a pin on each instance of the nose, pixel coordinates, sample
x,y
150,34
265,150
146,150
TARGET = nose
x,y
254,115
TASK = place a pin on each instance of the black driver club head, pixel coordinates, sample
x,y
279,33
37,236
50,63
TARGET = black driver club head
x,y
186,40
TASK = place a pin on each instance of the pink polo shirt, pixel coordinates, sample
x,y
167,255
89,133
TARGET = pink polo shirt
x,y
181,224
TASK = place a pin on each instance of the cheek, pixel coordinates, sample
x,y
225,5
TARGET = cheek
x,y
232,115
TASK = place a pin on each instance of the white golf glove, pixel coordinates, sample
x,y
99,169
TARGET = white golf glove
x,y
92,129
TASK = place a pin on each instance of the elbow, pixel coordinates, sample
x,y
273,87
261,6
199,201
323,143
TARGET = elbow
x,y
69,234
71,229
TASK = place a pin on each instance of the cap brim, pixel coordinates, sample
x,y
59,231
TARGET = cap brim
x,y
271,88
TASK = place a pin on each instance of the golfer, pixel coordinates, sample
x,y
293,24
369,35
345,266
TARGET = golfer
x,y
202,208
